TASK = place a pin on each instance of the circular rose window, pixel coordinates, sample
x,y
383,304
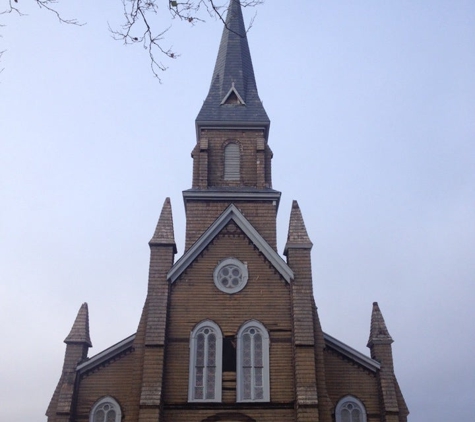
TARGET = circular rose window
x,y
230,276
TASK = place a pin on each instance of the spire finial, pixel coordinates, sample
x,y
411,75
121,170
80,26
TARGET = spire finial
x,y
80,331
297,236
379,332
164,233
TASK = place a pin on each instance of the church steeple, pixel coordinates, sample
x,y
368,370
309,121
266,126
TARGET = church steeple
x,y
233,99
231,159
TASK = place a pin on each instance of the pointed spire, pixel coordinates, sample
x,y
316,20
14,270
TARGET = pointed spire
x,y
233,72
379,332
80,331
297,236
164,233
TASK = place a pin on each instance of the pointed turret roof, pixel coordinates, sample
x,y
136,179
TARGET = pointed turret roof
x,y
379,332
80,331
233,99
297,236
164,233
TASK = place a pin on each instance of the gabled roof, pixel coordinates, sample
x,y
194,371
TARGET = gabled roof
x,y
349,352
233,73
231,213
107,354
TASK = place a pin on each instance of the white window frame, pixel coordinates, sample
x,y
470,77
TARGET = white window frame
x,y
265,363
244,276
232,161
218,362
103,401
350,400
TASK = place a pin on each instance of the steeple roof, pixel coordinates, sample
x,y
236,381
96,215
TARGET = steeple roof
x,y
233,99
80,331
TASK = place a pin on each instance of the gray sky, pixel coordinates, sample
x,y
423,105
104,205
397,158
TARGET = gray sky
x,y
372,107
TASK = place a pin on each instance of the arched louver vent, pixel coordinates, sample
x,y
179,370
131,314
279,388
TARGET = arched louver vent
x,y
232,162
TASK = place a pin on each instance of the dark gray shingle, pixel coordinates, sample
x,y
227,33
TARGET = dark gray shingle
x,y
233,69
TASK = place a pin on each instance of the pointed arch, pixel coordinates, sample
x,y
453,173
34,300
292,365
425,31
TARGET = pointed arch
x,y
106,409
205,375
350,409
232,161
253,363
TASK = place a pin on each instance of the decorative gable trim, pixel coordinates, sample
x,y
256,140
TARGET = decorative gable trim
x,y
231,213
106,355
351,353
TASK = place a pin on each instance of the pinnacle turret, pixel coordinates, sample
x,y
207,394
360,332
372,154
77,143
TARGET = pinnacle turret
x,y
378,332
164,233
297,236
80,331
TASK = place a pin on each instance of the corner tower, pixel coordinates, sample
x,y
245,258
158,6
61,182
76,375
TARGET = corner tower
x,y
231,159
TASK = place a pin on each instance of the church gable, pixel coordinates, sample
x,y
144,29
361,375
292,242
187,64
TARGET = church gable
x,y
264,303
231,214
346,377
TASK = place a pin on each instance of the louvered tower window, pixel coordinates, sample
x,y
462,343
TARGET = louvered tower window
x,y
253,363
206,349
350,409
232,162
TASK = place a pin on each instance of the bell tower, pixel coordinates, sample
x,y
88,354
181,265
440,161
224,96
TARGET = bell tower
x,y
232,159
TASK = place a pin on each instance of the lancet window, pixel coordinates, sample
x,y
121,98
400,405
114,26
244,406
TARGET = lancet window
x,y
206,348
253,363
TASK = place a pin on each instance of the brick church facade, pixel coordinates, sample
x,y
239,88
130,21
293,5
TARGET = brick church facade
x,y
230,331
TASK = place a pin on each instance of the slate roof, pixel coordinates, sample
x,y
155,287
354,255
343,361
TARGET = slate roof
x,y
233,76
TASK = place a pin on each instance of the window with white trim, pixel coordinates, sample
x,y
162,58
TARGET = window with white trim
x,y
253,363
106,410
206,349
350,409
230,275
232,161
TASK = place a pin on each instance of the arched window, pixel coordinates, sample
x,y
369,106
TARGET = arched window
x,y
232,161
206,350
253,363
350,409
106,410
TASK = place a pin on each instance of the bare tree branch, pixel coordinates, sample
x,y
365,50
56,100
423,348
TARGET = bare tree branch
x,y
139,25
47,4
42,4
138,28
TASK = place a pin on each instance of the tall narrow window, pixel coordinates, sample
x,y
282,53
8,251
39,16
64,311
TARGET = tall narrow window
x,y
232,162
106,410
350,409
253,363
206,348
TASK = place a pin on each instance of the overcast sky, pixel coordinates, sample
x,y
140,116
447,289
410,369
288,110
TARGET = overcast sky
x,y
372,106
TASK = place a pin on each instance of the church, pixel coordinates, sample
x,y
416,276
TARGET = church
x,y
230,330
